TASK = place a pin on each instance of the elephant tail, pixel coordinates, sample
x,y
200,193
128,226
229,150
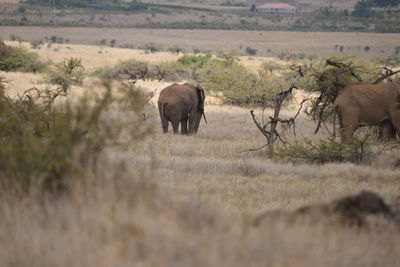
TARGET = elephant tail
x,y
204,116
161,108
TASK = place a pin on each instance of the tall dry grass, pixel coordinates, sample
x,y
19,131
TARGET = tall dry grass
x,y
173,200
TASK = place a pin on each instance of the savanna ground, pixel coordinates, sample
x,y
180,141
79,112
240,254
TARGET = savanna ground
x,y
190,200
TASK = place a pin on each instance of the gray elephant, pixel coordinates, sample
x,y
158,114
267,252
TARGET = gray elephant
x,y
182,104
364,104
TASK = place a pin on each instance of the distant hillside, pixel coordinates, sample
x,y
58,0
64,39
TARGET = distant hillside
x,y
311,15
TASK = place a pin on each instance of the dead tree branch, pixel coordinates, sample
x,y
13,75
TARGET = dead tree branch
x,y
344,67
272,134
388,73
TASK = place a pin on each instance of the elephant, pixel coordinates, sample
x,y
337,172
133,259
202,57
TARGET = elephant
x,y
363,104
184,104
386,131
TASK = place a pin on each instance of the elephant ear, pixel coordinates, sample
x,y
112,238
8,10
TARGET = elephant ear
x,y
201,96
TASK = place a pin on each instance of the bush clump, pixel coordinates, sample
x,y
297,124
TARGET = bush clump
x,y
235,84
66,73
326,151
190,60
19,59
44,145
251,51
130,70
272,66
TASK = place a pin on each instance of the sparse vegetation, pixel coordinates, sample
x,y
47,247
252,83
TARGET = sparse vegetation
x,y
152,48
115,198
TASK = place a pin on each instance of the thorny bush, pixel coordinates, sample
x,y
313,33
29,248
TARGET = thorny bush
x,y
327,79
44,144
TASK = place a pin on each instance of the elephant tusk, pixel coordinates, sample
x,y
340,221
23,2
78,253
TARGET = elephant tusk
x,y
204,116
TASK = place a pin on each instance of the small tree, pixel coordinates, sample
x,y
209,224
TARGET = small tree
x,y
36,44
229,58
272,134
176,49
251,51
152,48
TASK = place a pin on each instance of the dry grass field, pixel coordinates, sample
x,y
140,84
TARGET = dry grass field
x,y
315,43
191,200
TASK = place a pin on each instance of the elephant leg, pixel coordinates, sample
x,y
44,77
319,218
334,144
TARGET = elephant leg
x,y
348,128
175,127
164,123
194,119
348,119
396,123
184,125
347,133
386,131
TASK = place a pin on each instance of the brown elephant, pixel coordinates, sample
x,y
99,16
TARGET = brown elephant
x,y
184,104
363,104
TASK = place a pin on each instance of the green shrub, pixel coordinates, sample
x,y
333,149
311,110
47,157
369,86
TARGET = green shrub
x,y
65,74
44,145
129,70
190,60
19,59
36,44
176,49
271,66
286,56
326,151
234,84
152,48
169,71
392,61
